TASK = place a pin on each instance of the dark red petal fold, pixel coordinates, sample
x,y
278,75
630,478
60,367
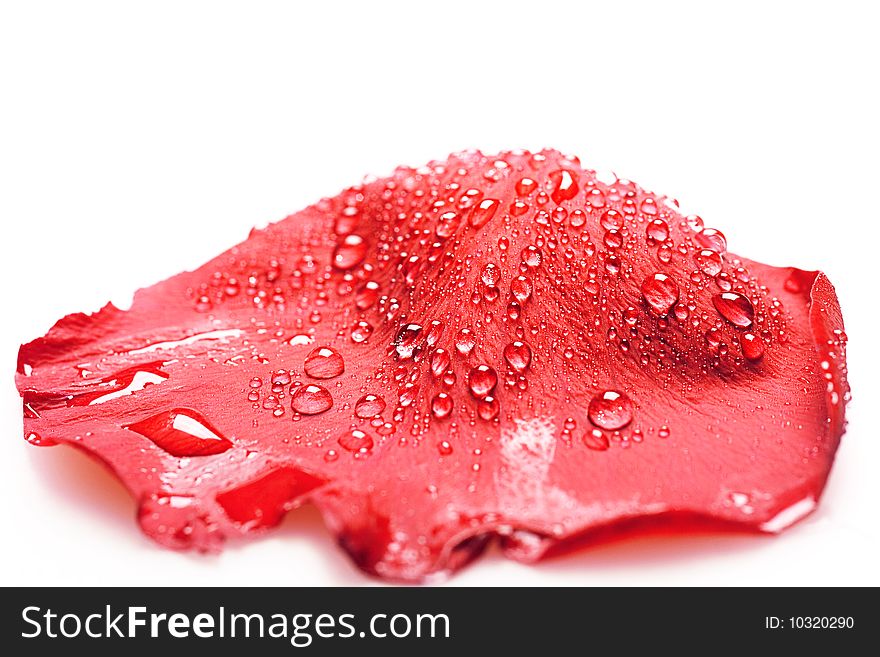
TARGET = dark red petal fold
x,y
487,346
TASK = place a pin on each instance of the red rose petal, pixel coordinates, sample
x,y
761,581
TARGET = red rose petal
x,y
483,346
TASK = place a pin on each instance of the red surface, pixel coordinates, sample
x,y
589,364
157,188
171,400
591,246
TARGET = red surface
x,y
483,346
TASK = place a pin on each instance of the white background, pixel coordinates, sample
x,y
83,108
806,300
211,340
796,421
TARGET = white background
x,y
138,142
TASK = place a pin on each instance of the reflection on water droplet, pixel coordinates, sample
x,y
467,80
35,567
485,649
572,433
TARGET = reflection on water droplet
x,y
407,340
709,262
487,408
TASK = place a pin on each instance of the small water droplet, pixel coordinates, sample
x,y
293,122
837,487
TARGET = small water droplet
x,y
448,224
611,220
563,185
596,440
531,256
491,275
361,331
444,447
521,288
488,408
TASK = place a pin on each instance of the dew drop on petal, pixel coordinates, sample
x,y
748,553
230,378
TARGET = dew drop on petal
x,y
324,363
610,409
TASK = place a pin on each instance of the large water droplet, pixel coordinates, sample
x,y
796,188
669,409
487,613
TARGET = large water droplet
x,y
531,256
735,308
610,409
657,230
311,399
482,380
324,363
182,432
350,252
369,406
518,355
361,331
660,292
611,220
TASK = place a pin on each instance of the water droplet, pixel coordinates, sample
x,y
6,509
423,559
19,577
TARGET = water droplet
x,y
518,355
444,447
525,186
610,410
441,405
256,382
311,399
660,292
563,185
488,408
361,331
440,360
182,432
708,262
356,441
531,256
435,332
657,230
447,224
712,239
595,439
482,380
483,212
407,340
611,220
735,308
324,363
491,275
465,341
369,406
752,346
350,252
367,295
521,288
